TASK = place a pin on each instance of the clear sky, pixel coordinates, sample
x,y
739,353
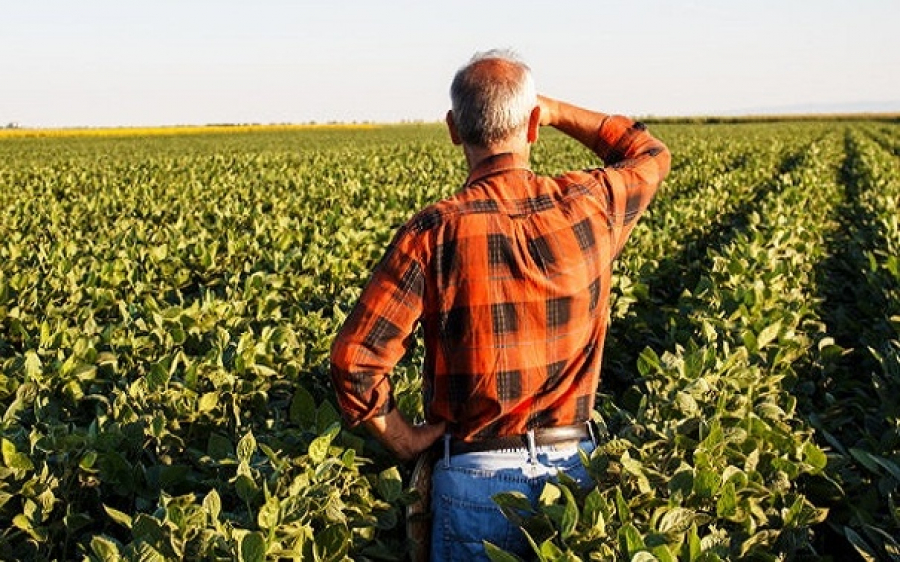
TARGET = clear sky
x,y
70,63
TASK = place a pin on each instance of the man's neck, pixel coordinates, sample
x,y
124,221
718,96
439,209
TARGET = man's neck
x,y
478,154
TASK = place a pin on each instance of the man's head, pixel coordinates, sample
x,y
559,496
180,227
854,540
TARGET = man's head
x,y
493,98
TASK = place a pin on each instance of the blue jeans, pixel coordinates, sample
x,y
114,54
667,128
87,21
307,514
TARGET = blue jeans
x,y
463,513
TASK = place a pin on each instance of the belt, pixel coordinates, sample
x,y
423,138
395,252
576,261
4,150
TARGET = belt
x,y
542,436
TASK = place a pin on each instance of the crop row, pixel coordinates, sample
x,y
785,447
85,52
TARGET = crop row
x,y
853,406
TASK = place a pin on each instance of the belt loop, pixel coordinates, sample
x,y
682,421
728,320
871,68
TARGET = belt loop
x,y
590,428
446,450
532,449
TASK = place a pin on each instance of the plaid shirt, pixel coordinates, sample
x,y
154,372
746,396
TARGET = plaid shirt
x,y
510,279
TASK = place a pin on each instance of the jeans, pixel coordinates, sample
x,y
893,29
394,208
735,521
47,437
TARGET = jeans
x,y
463,513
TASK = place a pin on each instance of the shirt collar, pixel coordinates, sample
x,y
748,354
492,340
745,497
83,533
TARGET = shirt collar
x,y
496,164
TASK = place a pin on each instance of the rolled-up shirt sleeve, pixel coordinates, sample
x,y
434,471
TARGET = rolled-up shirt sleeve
x,y
636,163
375,335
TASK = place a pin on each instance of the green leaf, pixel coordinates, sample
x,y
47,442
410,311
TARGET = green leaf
x,y
514,505
694,546
569,519
219,447
106,549
761,541
348,459
682,482
768,334
749,341
388,518
318,449
75,522
814,457
158,253
863,548
269,516
303,408
595,510
663,553
333,542
686,404
497,554
212,503
630,540
390,484
245,487
158,377
121,518
676,520
12,458
648,362
622,509
208,402
253,548
636,469
246,447
33,366
169,475
22,522
87,460
549,494
512,500
146,528
873,461
706,483
326,416
549,551
790,515
726,506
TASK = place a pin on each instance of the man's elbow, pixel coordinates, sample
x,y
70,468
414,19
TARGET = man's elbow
x,y
663,158
665,165
337,352
339,364
342,353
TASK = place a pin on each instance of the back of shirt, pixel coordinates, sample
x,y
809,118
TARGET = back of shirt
x,y
516,302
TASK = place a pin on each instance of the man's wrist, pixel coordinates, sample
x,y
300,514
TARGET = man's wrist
x,y
404,439
548,111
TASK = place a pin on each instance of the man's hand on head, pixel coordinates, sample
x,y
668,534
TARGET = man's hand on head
x,y
548,110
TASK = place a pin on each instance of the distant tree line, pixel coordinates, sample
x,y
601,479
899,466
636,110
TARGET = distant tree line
x,y
713,119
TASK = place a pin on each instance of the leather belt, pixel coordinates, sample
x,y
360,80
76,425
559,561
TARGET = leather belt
x,y
543,436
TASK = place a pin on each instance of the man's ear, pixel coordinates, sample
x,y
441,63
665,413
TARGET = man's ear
x,y
534,124
451,125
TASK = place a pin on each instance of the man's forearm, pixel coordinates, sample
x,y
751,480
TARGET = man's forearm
x,y
401,437
576,122
613,138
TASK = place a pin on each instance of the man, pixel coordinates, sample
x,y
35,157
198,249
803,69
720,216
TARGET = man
x,y
510,280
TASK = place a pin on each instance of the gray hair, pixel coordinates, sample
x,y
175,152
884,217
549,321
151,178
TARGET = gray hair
x,y
489,107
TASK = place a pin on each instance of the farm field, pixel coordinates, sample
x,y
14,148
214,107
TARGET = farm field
x,y
167,303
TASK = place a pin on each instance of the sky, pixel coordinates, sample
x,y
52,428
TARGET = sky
x,y
100,63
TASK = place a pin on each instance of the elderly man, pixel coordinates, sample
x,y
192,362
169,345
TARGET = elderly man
x,y
510,280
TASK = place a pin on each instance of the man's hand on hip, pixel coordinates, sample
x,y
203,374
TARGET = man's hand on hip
x,y
401,437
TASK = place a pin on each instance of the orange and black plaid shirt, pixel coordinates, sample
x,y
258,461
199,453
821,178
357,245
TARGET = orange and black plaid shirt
x,y
510,280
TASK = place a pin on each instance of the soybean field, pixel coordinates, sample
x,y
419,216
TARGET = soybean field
x,y
167,304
